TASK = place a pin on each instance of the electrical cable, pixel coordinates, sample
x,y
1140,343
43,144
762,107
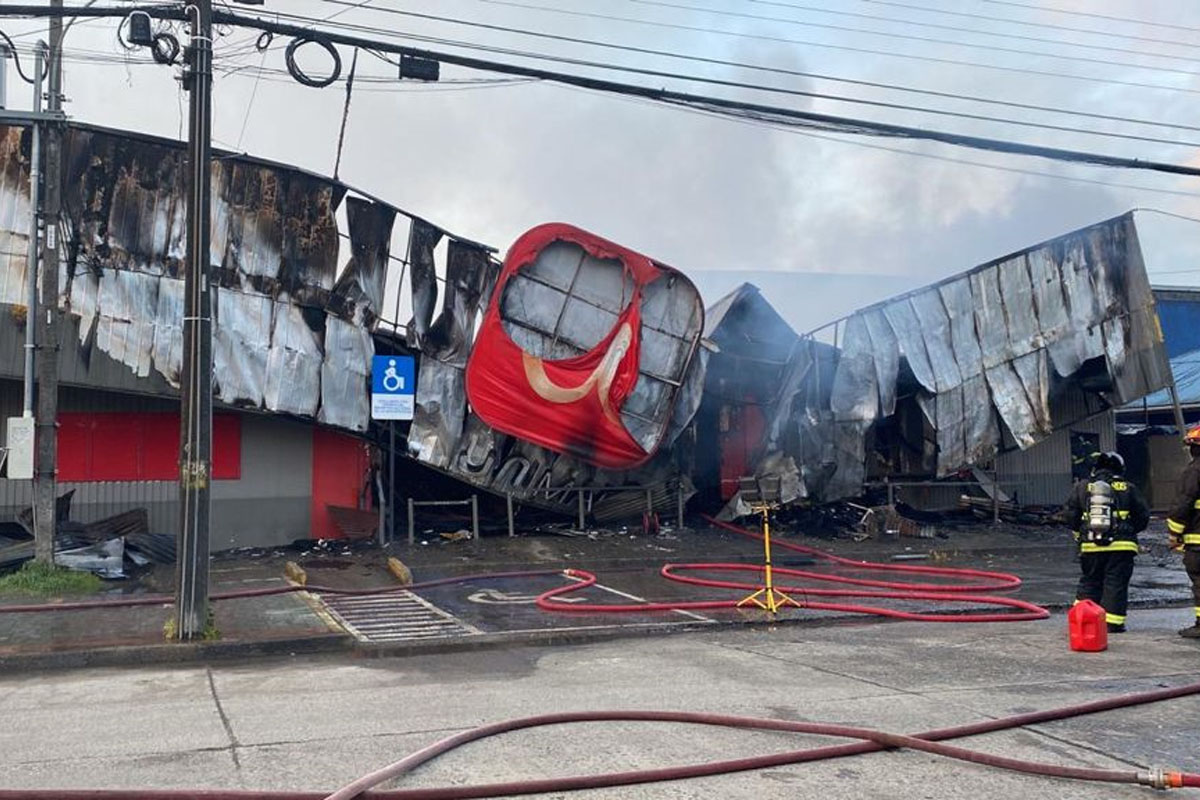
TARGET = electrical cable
x,y
16,56
822,96
915,23
1011,21
758,67
865,50
1095,15
916,154
165,48
733,108
299,74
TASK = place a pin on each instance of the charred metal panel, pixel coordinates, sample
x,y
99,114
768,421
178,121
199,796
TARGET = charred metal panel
x,y
422,238
980,348
360,287
441,402
287,338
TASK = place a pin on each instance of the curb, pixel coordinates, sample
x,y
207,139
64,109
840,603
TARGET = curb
x,y
185,653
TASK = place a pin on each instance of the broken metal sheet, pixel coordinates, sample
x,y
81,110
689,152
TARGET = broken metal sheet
x,y
990,320
440,413
441,401
1083,340
935,330
1073,300
1032,369
345,373
275,242
1053,317
903,318
856,384
1024,332
422,239
951,432
981,434
241,346
959,303
361,284
1008,393
127,303
106,559
168,331
885,350
293,384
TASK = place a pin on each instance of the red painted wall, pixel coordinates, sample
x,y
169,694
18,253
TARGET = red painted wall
x,y
339,471
138,447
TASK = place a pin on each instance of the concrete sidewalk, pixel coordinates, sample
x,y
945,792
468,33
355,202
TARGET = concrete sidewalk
x,y
318,722
488,613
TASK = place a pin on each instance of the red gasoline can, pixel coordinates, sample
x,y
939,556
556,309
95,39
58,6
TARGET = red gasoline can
x,y
1087,626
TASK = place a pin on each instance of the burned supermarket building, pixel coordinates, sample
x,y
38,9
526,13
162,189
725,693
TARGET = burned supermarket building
x,y
576,378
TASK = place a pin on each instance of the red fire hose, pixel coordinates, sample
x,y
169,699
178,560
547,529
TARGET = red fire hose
x,y
872,741
967,582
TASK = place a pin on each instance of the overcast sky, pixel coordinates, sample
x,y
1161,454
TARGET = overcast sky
x,y
488,161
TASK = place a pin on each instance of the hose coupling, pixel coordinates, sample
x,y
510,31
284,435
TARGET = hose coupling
x,y
1159,778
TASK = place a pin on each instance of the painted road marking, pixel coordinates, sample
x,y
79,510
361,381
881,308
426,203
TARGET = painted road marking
x,y
635,598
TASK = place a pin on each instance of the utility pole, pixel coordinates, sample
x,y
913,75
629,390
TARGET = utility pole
x,y
195,443
45,481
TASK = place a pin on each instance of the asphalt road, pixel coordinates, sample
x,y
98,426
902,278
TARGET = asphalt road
x,y
315,723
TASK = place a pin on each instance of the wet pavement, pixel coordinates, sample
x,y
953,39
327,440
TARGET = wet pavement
x,y
490,608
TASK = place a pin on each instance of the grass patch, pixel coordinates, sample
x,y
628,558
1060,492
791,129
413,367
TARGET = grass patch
x,y
48,580
209,634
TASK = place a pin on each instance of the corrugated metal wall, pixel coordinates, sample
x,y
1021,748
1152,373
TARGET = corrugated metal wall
x,y
267,506
1042,474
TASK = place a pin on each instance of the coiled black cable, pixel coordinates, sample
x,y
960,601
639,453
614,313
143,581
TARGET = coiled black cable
x,y
299,74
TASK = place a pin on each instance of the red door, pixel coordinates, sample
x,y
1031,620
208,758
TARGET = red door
x,y
741,432
339,473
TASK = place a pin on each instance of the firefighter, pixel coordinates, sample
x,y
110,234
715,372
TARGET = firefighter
x,y
1108,512
1183,524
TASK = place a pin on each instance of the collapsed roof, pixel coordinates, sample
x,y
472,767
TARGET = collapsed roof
x,y
957,371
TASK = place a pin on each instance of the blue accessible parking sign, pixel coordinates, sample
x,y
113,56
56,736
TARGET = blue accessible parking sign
x,y
393,387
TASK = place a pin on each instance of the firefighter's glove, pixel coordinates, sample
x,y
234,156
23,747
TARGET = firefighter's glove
x,y
1175,541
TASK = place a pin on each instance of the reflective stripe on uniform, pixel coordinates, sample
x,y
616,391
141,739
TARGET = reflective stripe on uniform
x,y
1120,486
1175,527
1122,514
1119,546
1191,538
1114,619
1197,611
1196,504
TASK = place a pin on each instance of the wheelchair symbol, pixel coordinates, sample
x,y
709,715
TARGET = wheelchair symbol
x,y
391,381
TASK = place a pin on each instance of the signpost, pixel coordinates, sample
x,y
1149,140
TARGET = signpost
x,y
393,387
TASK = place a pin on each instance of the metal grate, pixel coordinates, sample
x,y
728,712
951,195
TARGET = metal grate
x,y
396,617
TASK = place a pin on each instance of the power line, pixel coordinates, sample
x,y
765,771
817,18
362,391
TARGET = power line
x,y
849,48
930,156
914,23
732,108
802,93
1093,15
1048,25
891,35
755,67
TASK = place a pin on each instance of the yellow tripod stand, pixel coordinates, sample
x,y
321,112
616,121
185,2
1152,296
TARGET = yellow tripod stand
x,y
768,598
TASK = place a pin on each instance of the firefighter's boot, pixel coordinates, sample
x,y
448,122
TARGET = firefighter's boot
x,y
1192,632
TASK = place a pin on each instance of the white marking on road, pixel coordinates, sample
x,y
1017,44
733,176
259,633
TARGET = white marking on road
x,y
635,598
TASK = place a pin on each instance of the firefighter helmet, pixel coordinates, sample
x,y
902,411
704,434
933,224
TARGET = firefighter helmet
x,y
1111,462
1192,437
